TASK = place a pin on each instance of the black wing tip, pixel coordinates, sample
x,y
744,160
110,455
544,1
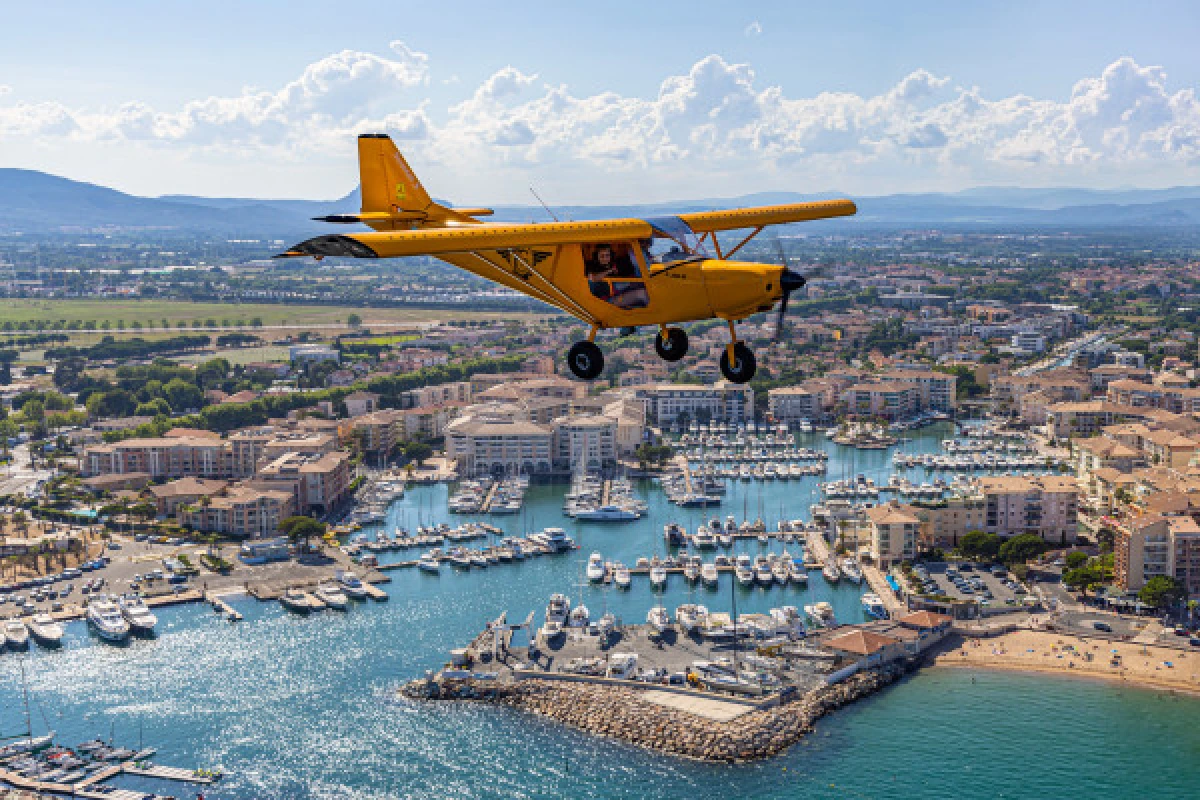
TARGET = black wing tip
x,y
341,219
373,136
336,246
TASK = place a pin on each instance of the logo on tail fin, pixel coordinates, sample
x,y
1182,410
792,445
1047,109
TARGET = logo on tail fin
x,y
400,194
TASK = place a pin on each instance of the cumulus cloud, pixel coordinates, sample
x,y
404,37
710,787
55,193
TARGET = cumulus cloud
x,y
715,118
753,29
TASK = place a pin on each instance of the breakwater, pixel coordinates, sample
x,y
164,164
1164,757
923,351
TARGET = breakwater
x,y
622,713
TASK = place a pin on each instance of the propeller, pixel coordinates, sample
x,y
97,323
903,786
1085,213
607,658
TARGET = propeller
x,y
789,281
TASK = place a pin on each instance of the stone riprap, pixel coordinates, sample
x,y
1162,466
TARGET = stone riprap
x,y
620,712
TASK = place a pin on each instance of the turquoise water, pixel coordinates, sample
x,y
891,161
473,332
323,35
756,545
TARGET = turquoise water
x,y
297,707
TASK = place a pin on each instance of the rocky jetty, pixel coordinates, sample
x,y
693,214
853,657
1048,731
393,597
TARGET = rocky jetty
x,y
619,712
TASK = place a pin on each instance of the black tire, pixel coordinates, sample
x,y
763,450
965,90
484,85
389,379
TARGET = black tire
x,y
674,347
585,360
744,366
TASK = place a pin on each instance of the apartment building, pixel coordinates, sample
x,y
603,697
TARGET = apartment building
x,y
318,482
584,442
1046,505
240,511
943,523
1176,399
359,403
936,391
886,399
1084,418
794,403
168,497
377,431
162,457
722,402
894,532
489,440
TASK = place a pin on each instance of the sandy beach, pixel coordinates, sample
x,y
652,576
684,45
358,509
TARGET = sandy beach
x,y
1049,652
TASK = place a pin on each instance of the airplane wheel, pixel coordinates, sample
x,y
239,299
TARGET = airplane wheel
x,y
585,360
674,347
743,367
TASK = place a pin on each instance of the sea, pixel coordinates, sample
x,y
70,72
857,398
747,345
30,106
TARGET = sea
x,y
307,707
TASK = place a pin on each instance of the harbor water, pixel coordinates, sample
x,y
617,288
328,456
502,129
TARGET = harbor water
x,y
305,707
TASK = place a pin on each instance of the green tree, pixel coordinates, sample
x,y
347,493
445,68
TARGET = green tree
x,y
1076,559
1083,578
1021,548
354,320
980,545
300,528
182,395
418,451
1162,591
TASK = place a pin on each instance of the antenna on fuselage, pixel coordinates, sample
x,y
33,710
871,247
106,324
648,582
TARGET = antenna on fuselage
x,y
543,202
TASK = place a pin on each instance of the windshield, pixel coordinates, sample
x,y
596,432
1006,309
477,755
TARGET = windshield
x,y
672,241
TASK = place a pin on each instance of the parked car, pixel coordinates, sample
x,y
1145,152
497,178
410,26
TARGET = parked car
x,y
1102,626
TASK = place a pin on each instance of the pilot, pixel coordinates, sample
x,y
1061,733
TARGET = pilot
x,y
604,269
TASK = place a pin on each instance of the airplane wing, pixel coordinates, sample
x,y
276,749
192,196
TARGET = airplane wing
x,y
468,239
762,216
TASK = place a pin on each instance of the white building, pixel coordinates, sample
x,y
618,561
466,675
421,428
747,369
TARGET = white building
x,y
585,442
721,402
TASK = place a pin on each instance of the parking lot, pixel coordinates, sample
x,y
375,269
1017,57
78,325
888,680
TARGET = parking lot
x,y
971,582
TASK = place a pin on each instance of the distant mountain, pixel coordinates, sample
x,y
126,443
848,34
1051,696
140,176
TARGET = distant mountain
x,y
35,202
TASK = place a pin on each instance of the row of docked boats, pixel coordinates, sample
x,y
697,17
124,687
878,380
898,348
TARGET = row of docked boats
x,y
588,501
560,616
335,594
511,548
990,462
505,496
115,619
769,471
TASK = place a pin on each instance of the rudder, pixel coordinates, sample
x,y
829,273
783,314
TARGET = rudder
x,y
387,182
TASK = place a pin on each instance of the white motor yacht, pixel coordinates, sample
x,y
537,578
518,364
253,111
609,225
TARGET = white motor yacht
x,y
428,563
595,568
106,620
691,571
352,586
852,571
558,608
658,619
16,634
135,611
332,596
821,614
762,572
744,572
621,576
45,630
607,514
296,600
708,574
691,616
579,617
658,576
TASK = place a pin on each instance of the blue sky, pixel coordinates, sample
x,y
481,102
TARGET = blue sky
x,y
603,102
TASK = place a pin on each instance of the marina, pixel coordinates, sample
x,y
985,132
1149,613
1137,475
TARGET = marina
x,y
365,653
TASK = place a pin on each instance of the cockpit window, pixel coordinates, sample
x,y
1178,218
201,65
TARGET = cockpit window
x,y
672,241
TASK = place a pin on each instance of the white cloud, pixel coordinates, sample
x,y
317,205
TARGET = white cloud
x,y
753,29
715,123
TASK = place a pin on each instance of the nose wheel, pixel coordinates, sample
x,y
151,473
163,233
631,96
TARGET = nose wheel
x,y
585,360
671,344
743,366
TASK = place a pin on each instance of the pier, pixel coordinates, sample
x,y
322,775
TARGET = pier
x,y
880,586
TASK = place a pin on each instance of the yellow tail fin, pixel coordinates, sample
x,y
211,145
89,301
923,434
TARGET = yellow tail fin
x,y
387,182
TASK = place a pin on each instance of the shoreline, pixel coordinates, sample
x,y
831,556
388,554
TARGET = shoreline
x,y
1051,653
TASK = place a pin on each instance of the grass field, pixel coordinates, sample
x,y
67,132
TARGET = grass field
x,y
151,313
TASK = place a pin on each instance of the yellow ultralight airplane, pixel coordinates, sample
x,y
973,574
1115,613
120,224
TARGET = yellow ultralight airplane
x,y
615,273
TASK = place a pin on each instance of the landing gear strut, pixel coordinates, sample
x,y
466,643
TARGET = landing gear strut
x,y
671,344
737,362
585,360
